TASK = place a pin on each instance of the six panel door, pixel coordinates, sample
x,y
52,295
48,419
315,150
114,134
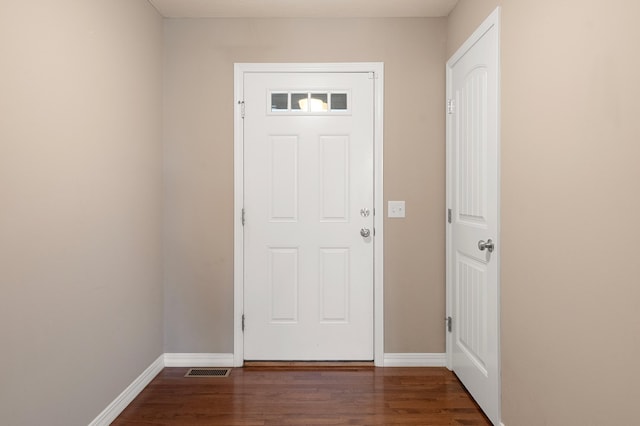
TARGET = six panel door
x,y
308,152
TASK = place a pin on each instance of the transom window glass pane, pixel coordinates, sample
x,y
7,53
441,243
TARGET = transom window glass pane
x,y
338,101
318,102
300,101
279,102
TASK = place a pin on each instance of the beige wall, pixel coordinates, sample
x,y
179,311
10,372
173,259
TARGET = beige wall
x,y
198,166
80,259
570,200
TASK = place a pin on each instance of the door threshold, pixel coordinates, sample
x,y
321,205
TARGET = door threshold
x,y
309,364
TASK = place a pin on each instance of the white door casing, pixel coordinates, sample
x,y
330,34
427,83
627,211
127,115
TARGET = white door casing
x,y
302,238
473,294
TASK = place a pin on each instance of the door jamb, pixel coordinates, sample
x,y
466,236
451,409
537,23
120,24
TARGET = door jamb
x,y
377,68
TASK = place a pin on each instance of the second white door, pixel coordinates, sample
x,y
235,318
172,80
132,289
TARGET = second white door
x,y
308,236
474,245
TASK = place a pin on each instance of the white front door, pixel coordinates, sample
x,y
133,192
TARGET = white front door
x,y
308,199
473,189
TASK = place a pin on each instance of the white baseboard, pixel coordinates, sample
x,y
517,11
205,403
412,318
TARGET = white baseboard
x,y
198,360
415,360
118,405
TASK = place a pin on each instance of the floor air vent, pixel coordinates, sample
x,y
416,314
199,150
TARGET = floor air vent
x,y
208,372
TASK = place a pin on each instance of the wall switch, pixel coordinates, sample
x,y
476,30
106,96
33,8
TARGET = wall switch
x,y
396,209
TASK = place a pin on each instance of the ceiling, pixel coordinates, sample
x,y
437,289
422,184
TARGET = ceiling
x,y
303,8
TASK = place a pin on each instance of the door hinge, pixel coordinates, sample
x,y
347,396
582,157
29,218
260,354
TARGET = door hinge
x,y
242,322
449,215
451,106
449,324
372,75
241,103
243,217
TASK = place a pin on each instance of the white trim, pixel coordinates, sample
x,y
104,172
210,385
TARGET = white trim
x,y
378,69
378,220
415,360
118,405
198,360
238,205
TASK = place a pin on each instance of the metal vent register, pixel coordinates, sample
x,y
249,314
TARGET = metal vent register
x,y
208,372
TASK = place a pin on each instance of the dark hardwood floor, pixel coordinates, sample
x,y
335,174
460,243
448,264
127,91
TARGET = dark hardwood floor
x,y
306,396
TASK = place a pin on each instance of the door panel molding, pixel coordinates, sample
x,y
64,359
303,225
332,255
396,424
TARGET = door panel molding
x,y
376,70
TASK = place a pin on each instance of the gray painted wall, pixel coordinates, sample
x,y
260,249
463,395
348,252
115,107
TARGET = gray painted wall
x,y
198,165
80,209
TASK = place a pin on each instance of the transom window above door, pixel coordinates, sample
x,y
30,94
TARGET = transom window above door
x,y
308,102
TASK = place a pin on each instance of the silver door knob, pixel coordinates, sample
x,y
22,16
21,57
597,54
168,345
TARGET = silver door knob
x,y
365,232
486,245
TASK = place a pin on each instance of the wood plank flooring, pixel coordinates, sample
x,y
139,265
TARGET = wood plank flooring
x,y
261,396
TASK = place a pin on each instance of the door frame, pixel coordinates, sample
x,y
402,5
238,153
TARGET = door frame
x,y
493,20
377,72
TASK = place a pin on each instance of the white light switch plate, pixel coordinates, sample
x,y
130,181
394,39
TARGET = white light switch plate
x,y
396,209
